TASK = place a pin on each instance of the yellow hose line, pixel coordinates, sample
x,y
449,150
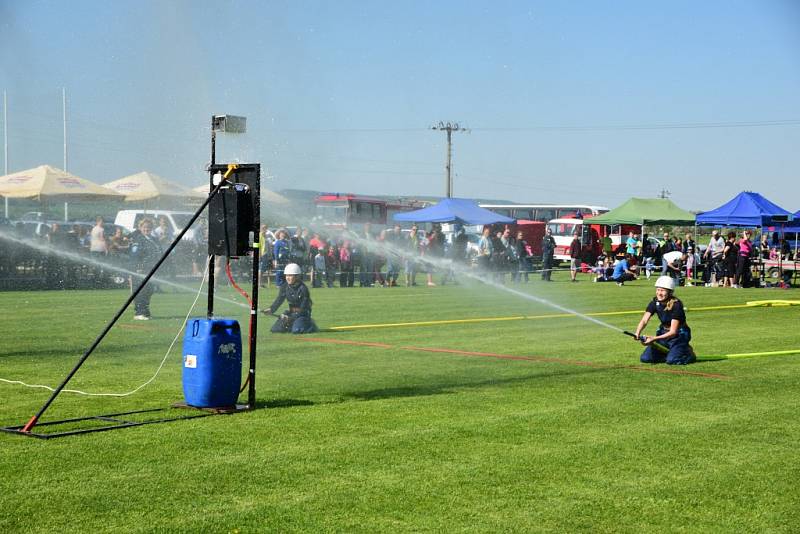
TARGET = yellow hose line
x,y
748,355
774,303
770,353
557,315
721,307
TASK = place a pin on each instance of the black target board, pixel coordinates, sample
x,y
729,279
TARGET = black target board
x,y
233,212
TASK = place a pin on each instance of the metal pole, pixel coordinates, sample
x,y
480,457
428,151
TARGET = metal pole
x,y
213,146
448,127
30,424
64,109
449,185
5,143
780,252
212,263
251,390
212,259
251,376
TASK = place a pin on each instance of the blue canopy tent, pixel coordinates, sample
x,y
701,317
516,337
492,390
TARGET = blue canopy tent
x,y
795,225
794,229
454,210
747,209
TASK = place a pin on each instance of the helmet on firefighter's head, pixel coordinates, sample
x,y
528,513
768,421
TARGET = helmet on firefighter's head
x,y
666,282
292,269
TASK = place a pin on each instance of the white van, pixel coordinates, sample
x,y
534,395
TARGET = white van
x,y
177,220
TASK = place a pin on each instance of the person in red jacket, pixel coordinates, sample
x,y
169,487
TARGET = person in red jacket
x,y
574,256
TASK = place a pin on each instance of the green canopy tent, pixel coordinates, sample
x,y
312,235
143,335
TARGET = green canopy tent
x,y
646,211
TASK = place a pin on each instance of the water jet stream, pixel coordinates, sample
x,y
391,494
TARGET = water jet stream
x,y
85,260
446,264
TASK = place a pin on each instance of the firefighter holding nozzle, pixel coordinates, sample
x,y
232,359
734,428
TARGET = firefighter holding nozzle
x,y
671,342
297,319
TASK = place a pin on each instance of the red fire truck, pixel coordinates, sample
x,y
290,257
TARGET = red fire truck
x,y
339,211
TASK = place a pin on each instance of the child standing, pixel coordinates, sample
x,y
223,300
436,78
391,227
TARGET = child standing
x,y
688,250
318,274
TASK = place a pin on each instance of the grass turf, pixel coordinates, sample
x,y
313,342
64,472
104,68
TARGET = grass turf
x,y
575,435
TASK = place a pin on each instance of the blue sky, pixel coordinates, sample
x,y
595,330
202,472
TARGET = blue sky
x,y
590,102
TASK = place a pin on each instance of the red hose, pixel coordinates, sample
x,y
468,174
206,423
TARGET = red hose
x,y
246,296
234,284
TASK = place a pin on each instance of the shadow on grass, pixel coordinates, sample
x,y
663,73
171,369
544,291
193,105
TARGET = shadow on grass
x,y
108,349
450,387
283,403
423,390
330,331
50,351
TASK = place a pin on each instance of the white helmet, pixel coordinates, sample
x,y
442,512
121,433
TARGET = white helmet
x,y
292,268
666,282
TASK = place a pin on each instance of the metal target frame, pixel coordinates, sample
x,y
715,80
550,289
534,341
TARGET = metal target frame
x,y
249,174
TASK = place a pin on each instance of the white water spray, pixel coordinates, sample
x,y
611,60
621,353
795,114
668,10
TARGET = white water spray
x,y
380,246
78,258
446,264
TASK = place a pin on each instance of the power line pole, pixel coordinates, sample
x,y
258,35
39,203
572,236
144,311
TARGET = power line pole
x,y
448,127
664,194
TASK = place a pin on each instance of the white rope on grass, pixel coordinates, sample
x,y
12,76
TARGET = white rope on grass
x,y
185,320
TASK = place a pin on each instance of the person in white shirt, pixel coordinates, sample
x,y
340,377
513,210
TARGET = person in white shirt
x,y
97,240
318,274
713,256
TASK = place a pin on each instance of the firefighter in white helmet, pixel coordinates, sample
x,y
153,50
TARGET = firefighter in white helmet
x,y
671,342
297,319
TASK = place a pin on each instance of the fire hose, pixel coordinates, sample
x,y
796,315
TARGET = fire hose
x,y
658,346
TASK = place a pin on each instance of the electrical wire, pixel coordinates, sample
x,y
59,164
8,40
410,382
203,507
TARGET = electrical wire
x,y
163,360
656,126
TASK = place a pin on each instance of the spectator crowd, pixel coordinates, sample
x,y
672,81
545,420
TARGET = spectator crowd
x,y
371,259
84,256
81,255
732,261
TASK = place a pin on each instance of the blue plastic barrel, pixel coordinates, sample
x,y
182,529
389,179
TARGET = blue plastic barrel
x,y
212,362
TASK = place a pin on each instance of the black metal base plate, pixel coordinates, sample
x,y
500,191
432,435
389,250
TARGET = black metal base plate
x,y
215,410
116,421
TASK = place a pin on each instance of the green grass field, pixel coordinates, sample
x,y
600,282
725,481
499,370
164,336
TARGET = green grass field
x,y
541,424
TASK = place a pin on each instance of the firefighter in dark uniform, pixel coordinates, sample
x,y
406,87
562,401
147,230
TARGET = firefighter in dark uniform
x,y
297,319
671,342
145,252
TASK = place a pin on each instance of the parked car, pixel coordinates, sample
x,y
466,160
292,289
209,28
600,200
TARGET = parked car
x,y
33,228
177,220
33,216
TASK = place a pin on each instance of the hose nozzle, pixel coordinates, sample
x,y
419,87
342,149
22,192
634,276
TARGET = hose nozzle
x,y
658,346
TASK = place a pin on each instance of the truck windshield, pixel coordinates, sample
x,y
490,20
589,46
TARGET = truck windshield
x,y
563,229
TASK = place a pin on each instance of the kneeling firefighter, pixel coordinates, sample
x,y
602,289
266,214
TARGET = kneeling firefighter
x,y
297,319
671,342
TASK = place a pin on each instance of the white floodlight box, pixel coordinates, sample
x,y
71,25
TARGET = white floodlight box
x,y
229,123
